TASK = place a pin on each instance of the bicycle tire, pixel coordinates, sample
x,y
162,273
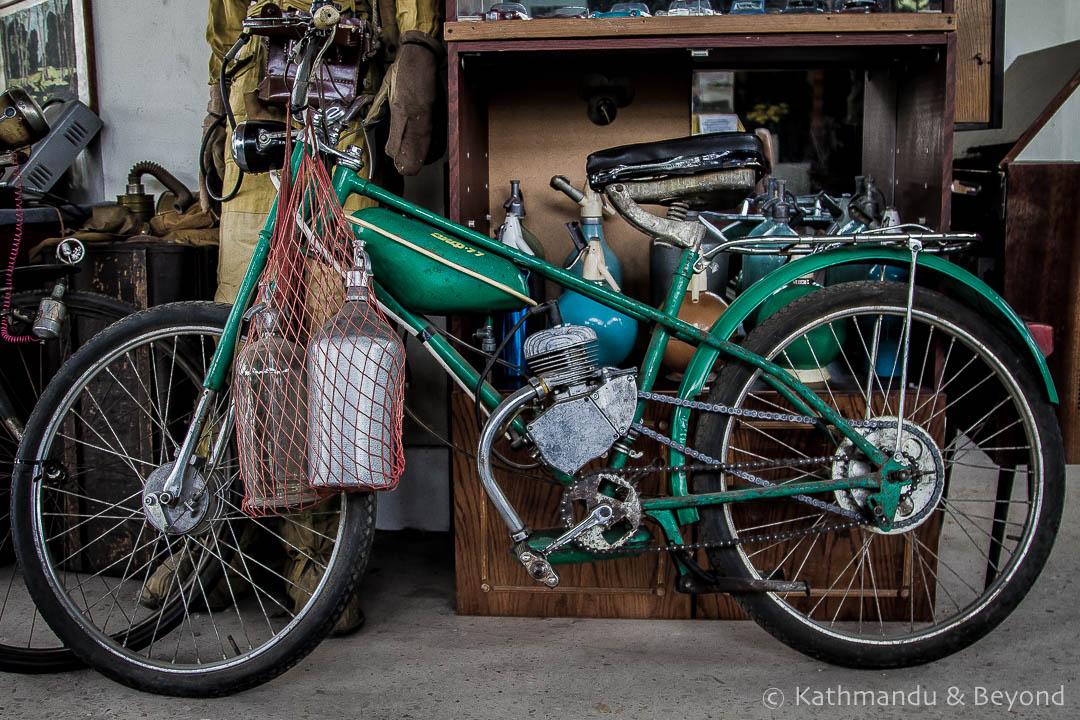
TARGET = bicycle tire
x,y
225,575
938,566
26,367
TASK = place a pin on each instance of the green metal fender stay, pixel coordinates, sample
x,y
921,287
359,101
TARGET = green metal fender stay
x,y
971,290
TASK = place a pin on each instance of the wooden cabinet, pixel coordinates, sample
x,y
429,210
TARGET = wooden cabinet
x,y
491,582
980,48
515,114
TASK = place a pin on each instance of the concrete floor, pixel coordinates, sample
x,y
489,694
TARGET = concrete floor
x,y
417,659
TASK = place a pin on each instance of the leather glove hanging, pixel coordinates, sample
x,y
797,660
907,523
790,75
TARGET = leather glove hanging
x,y
414,98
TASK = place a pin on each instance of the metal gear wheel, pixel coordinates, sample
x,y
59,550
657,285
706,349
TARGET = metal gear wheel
x,y
922,456
624,502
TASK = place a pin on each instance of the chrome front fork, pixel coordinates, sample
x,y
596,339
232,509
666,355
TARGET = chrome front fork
x,y
162,505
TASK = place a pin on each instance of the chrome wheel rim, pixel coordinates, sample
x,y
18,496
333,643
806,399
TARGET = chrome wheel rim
x,y
948,593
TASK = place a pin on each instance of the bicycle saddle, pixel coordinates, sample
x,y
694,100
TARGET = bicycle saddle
x,y
694,155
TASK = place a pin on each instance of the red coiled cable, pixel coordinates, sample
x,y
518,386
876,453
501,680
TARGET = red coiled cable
x,y
9,272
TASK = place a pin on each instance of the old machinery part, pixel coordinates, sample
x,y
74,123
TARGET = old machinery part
x,y
140,203
70,251
21,121
681,233
536,565
51,314
258,146
73,127
923,459
585,422
491,431
598,518
192,512
624,504
563,355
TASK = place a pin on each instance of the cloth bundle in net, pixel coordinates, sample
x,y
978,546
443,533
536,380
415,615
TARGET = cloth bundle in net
x,y
319,385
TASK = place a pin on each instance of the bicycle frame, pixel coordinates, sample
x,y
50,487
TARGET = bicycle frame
x,y
666,325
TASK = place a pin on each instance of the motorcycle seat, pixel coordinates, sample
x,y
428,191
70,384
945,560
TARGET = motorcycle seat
x,y
687,156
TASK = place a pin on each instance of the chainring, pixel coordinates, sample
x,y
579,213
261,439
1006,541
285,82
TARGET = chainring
x,y
624,502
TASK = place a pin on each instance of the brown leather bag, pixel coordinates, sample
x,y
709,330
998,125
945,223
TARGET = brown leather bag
x,y
340,77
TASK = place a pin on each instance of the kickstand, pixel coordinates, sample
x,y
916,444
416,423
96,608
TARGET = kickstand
x,y
698,581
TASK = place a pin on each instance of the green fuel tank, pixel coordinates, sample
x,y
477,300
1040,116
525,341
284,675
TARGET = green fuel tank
x,y
425,285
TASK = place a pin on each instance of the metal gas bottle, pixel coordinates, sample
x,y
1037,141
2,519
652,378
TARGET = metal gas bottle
x,y
270,392
354,368
514,234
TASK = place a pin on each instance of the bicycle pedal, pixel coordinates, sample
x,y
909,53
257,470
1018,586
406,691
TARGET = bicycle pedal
x,y
695,586
536,565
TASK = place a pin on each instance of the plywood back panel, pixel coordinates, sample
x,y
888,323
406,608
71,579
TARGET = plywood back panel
x,y
540,129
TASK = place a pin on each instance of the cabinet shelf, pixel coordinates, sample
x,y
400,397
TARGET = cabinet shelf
x,y
826,23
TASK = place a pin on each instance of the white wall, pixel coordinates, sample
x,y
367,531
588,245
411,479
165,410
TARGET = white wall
x,y
151,61
1033,25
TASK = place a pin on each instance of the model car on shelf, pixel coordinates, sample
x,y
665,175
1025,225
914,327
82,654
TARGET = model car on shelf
x,y
624,9
806,6
747,7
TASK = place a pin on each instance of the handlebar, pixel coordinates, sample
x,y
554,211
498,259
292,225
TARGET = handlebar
x,y
324,18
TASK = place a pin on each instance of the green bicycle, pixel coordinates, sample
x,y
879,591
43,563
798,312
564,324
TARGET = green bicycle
x,y
876,471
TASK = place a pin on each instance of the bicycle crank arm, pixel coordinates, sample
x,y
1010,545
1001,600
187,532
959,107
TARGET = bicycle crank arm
x,y
600,515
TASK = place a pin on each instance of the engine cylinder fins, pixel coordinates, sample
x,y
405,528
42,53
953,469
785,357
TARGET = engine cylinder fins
x,y
563,355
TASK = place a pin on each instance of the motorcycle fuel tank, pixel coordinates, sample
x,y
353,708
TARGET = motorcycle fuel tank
x,y
425,285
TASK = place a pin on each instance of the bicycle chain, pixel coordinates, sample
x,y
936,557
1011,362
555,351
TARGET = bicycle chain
x,y
739,470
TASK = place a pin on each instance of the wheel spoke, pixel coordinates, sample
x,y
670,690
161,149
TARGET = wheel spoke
x,y
927,575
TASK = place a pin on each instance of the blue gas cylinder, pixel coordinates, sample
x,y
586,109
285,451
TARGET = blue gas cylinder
x,y
615,332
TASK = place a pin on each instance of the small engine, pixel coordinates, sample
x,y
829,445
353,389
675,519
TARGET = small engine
x,y
593,407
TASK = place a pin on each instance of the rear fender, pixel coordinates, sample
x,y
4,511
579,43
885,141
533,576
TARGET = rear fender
x,y
960,284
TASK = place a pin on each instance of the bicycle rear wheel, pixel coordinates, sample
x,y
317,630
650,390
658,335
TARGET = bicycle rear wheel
x,y
228,604
973,531
26,643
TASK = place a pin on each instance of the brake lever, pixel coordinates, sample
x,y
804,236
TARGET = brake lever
x,y
291,26
298,98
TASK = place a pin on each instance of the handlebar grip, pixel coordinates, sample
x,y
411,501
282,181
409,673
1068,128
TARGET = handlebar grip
x,y
562,184
326,17
232,52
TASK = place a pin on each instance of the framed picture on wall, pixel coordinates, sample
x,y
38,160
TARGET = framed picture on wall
x,y
46,48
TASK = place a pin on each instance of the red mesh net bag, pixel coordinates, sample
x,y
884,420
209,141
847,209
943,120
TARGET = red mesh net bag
x,y
319,385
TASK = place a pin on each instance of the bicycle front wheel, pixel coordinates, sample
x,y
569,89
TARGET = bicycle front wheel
x,y
26,643
972,532
226,605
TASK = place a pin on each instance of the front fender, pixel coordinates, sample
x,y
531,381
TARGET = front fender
x,y
966,287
